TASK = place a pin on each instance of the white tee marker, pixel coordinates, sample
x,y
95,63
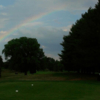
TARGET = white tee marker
x,y
16,90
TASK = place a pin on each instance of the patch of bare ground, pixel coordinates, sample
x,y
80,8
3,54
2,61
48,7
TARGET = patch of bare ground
x,y
75,79
43,77
87,78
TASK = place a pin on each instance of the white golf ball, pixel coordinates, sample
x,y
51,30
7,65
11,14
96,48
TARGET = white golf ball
x,y
32,84
16,90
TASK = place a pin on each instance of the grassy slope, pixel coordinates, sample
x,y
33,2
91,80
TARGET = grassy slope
x,y
48,86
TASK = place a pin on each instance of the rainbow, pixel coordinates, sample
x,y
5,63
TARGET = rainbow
x,y
29,20
14,29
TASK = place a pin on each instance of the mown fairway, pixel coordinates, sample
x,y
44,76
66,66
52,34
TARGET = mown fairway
x,y
55,86
69,90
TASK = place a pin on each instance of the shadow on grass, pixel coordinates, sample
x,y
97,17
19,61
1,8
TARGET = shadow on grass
x,y
75,76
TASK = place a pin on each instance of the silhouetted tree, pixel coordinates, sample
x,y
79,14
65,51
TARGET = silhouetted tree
x,y
58,66
23,54
81,48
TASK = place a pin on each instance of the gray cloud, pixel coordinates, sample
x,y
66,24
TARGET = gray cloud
x,y
23,9
50,38
1,7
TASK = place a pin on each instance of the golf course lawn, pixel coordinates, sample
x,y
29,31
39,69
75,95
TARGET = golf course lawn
x,y
54,90
48,86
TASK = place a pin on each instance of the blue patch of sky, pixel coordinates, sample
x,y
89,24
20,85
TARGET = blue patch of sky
x,y
60,18
7,2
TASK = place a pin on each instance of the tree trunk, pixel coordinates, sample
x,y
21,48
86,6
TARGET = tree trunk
x,y
78,71
25,73
0,72
16,72
98,78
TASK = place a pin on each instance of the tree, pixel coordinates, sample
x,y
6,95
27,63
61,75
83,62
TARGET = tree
x,y
41,63
81,49
51,63
23,54
58,66
1,64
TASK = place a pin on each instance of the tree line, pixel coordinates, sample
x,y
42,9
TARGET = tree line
x,y
24,54
81,49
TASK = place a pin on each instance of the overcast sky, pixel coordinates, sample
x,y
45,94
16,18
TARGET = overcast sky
x,y
46,20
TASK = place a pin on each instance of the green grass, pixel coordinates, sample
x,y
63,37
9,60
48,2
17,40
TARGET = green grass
x,y
69,90
48,86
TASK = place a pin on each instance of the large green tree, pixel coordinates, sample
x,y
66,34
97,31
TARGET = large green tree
x,y
23,54
82,46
